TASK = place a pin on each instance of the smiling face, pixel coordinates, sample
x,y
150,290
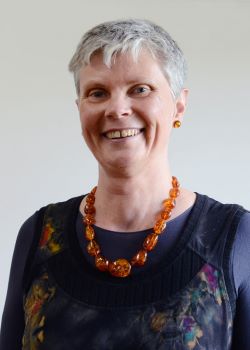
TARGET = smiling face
x,y
127,111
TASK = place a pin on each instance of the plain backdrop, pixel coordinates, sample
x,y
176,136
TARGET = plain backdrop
x,y
43,156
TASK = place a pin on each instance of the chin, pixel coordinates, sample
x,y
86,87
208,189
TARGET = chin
x,y
123,165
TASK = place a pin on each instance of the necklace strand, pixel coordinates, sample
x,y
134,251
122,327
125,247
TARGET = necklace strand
x,y
122,267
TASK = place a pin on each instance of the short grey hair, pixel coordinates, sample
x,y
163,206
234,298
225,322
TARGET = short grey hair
x,y
131,36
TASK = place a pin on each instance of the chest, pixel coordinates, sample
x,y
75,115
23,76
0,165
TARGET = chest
x,y
196,317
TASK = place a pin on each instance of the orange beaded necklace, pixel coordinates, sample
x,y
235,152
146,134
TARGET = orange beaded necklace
x,y
122,267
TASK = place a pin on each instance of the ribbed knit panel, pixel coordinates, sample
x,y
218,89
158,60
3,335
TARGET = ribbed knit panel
x,y
157,285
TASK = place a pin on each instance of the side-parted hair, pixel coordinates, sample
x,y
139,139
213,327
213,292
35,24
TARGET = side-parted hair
x,y
130,36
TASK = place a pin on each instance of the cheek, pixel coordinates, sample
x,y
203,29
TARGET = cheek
x,y
160,110
166,106
88,119
86,126
91,127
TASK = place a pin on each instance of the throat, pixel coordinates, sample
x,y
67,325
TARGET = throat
x,y
119,219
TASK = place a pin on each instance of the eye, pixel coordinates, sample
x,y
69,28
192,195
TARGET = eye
x,y
97,94
142,90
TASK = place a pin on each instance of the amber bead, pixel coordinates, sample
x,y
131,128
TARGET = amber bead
x,y
150,241
165,215
175,182
89,209
169,203
89,219
140,258
159,226
89,233
93,191
90,199
101,263
93,248
174,192
120,268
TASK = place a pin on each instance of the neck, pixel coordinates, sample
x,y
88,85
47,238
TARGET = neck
x,y
133,203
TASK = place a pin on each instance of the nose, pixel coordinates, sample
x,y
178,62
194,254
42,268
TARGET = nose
x,y
118,106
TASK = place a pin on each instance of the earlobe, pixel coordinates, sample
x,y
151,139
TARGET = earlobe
x,y
180,107
181,103
77,103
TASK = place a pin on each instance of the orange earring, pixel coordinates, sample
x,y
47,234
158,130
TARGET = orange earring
x,y
177,124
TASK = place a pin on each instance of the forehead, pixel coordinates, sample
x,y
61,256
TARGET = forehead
x,y
123,66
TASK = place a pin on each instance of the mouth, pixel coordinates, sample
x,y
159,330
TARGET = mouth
x,y
116,134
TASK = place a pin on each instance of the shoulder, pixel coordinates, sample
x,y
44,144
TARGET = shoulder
x,y
53,222
241,253
214,203
27,229
72,202
221,213
217,225
34,228
244,224
242,238
233,222
239,216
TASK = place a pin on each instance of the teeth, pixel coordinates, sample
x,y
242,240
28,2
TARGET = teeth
x,y
124,133
116,134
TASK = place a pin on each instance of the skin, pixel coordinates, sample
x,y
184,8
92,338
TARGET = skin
x,y
134,173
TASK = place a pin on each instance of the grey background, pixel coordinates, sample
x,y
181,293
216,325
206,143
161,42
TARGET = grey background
x,y
43,157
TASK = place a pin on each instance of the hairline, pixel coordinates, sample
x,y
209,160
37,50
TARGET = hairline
x,y
112,60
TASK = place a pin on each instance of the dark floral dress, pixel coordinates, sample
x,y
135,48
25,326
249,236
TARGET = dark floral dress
x,y
89,311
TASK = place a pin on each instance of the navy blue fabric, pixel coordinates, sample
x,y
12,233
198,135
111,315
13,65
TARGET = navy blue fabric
x,y
12,326
121,244
117,244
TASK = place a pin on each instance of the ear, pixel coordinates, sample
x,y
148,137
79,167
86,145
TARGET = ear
x,y
77,103
181,104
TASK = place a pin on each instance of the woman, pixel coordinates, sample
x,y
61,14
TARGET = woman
x,y
139,262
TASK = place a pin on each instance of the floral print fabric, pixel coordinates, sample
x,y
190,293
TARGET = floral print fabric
x,y
35,306
197,317
190,320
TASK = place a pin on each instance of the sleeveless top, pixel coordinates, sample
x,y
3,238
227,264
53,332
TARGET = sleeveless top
x,y
185,302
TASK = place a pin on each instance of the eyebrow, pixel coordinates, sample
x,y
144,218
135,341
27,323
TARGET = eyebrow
x,y
92,82
100,84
